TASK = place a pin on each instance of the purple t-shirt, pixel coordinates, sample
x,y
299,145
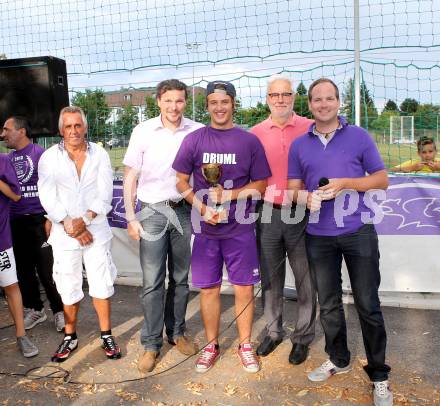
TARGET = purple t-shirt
x,y
243,160
25,162
7,175
349,154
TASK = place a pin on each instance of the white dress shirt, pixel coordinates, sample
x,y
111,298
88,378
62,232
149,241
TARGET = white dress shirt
x,y
151,151
63,193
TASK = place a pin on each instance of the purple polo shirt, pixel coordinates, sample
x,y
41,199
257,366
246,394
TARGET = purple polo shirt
x,y
349,154
243,160
25,162
7,175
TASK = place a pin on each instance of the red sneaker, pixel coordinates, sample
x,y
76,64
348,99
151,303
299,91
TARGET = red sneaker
x,y
207,358
67,346
248,358
111,349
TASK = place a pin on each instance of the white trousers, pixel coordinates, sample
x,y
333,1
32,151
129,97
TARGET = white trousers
x,y
100,270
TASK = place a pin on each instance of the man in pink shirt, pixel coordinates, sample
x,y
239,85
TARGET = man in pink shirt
x,y
281,227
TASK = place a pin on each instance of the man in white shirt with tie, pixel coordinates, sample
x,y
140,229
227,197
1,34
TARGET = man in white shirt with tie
x,y
76,187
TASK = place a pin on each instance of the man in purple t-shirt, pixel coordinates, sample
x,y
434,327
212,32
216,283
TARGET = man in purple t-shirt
x,y
32,252
225,235
9,190
331,161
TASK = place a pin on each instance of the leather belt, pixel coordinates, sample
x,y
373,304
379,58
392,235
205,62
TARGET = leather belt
x,y
173,204
170,203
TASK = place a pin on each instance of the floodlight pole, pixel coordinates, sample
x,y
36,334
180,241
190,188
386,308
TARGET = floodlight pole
x,y
193,46
357,65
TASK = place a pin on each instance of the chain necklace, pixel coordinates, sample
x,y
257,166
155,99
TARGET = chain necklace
x,y
327,134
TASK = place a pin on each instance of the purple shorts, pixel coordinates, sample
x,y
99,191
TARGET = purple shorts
x,y
239,253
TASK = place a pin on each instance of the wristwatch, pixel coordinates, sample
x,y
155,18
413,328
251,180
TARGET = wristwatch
x,y
86,220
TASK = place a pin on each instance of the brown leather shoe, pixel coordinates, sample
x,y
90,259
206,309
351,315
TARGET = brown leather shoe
x,y
185,345
147,361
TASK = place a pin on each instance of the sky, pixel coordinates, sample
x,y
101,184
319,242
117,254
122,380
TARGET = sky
x,y
111,44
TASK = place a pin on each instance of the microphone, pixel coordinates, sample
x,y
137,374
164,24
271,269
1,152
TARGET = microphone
x,y
323,182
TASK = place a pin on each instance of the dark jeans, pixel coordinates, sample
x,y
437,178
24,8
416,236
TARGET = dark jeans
x,y
361,254
34,255
276,239
164,243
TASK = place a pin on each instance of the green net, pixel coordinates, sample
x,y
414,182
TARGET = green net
x,y
117,51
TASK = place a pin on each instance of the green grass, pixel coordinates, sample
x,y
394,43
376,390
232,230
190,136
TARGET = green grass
x,y
395,154
392,154
116,157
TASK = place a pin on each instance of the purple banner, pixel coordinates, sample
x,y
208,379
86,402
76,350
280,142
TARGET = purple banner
x,y
116,217
412,207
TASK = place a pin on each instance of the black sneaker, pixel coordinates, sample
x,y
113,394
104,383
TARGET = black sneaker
x,y
111,349
66,347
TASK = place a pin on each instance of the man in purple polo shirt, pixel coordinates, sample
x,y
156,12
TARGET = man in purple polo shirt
x,y
32,252
9,190
331,161
228,235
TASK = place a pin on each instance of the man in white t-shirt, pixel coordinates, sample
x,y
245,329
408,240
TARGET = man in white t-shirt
x,y
163,223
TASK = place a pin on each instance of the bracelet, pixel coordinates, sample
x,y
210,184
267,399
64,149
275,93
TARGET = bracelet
x,y
86,220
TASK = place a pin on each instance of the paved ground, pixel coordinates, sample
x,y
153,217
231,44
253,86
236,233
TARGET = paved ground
x,y
413,353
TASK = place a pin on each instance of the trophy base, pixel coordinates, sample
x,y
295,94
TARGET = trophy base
x,y
223,214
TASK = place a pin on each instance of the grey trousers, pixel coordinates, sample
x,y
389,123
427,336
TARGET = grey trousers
x,y
275,240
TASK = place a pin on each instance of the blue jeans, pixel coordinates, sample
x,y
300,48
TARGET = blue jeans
x,y
361,253
164,242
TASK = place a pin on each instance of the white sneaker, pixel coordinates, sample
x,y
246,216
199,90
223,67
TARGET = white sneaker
x,y
33,317
27,347
59,321
325,371
382,394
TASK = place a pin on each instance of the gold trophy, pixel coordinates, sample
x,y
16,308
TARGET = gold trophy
x,y
212,174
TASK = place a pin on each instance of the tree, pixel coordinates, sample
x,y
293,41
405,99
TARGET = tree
x,y
201,115
97,111
409,106
301,106
426,117
127,120
151,107
301,90
368,109
382,122
253,115
390,106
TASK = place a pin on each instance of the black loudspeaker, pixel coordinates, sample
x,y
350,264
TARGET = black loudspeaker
x,y
35,88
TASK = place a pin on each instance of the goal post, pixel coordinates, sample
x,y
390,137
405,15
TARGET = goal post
x,y
402,130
